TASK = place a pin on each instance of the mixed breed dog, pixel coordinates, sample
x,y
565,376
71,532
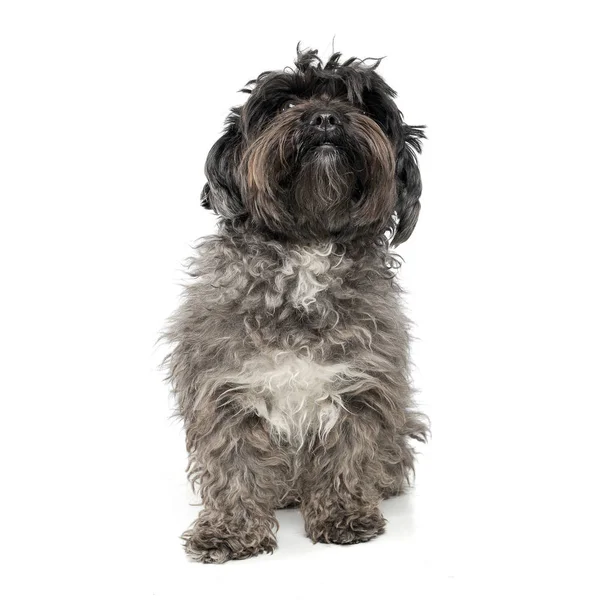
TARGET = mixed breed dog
x,y
289,354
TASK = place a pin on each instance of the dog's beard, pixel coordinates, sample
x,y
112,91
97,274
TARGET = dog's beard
x,y
322,190
300,187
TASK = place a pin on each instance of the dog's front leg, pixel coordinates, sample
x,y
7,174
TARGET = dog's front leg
x,y
340,501
240,478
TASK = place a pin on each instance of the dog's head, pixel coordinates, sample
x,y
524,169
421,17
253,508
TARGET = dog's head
x,y
319,151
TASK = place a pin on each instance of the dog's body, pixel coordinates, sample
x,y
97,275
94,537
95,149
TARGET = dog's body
x,y
290,360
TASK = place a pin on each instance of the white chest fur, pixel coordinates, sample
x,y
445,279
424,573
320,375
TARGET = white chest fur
x,y
294,394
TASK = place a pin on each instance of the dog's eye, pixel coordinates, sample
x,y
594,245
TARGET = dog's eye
x,y
288,104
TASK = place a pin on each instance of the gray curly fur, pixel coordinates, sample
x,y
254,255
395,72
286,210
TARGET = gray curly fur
x,y
290,353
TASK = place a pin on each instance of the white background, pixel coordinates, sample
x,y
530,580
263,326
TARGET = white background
x,y
107,112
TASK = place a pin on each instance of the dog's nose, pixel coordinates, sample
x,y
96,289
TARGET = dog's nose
x,y
325,120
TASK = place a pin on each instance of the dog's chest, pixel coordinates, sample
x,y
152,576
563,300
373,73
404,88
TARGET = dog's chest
x,y
294,394
291,386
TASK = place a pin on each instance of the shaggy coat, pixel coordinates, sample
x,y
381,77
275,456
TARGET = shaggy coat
x,y
290,350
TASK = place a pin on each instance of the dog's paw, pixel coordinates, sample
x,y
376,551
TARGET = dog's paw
x,y
217,538
346,527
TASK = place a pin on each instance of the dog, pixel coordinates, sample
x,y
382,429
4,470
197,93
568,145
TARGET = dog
x,y
289,354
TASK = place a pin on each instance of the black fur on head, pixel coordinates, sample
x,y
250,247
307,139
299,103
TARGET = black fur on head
x,y
319,151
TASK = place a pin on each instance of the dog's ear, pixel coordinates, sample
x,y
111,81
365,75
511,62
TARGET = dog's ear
x,y
408,179
222,192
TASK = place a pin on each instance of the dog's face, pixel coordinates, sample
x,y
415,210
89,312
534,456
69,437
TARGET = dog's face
x,y
318,152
